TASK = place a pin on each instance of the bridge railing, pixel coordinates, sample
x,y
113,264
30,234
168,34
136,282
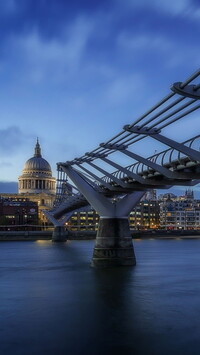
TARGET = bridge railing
x,y
169,157
179,103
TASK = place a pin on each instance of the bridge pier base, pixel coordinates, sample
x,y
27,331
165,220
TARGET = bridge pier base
x,y
114,246
59,234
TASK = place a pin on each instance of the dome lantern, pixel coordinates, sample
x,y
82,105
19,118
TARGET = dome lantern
x,y
37,150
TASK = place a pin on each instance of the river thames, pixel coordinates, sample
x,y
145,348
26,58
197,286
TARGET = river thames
x,y
53,302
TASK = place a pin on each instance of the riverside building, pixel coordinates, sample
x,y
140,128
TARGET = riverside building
x,y
18,211
144,216
167,212
182,212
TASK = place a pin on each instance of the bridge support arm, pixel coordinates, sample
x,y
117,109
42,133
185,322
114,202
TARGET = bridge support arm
x,y
155,134
167,173
113,246
52,219
59,233
151,164
192,153
100,203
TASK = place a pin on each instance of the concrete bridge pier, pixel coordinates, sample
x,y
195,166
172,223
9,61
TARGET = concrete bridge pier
x,y
59,234
113,245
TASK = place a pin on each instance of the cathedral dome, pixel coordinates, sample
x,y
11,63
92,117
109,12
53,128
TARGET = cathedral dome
x,y
37,175
37,165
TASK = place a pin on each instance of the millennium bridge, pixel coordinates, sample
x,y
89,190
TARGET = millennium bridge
x,y
101,179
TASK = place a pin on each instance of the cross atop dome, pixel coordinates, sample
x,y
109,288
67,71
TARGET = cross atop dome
x,y
37,150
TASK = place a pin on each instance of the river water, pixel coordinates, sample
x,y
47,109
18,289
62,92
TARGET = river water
x,y
53,302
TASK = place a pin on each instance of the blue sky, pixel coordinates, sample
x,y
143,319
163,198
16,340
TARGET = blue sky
x,y
74,72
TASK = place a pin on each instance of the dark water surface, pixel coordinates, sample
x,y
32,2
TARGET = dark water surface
x,y
53,302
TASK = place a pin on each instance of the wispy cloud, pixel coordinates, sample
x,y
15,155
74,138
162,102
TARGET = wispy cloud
x,y
144,42
122,88
171,7
5,164
172,50
8,7
50,59
11,140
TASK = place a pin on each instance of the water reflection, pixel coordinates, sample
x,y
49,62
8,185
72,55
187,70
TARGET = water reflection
x,y
53,302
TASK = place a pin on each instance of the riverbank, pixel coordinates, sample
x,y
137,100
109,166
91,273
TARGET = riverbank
x,y
160,233
43,235
25,235
89,235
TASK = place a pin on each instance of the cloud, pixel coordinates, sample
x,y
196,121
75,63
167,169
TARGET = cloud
x,y
55,58
8,7
177,7
122,88
11,140
173,7
144,42
5,165
173,51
